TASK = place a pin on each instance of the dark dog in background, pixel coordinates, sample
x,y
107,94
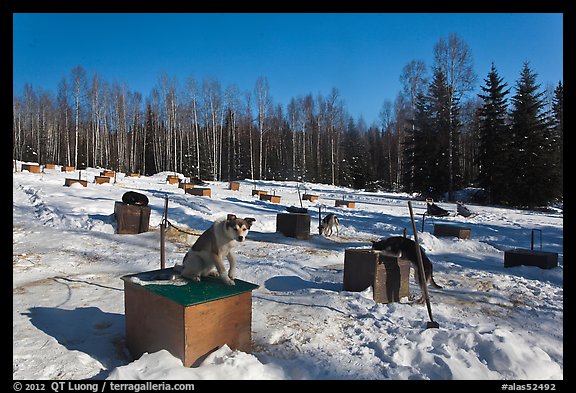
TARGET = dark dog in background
x,y
135,198
405,248
329,222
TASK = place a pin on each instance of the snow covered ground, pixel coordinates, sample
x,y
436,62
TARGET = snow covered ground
x,y
68,301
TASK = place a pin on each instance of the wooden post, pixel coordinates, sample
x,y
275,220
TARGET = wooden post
x,y
422,278
163,235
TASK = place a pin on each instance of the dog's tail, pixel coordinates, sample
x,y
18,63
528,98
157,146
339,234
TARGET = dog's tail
x,y
430,277
433,284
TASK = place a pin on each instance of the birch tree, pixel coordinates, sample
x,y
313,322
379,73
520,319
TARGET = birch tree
x,y
453,57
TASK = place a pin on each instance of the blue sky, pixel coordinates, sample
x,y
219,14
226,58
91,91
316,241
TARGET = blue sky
x,y
362,55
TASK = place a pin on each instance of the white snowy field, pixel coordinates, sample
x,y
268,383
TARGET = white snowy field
x,y
68,301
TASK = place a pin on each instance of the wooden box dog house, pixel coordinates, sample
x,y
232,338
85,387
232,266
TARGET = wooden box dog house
x,y
68,169
108,173
133,174
345,203
50,166
69,182
187,318
234,186
294,225
172,179
271,198
185,186
451,230
309,197
32,168
520,256
199,191
101,179
259,192
388,275
131,219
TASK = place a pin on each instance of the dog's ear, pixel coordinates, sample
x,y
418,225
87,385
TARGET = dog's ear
x,y
230,217
249,221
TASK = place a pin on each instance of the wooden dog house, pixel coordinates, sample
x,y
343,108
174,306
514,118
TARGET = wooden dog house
x,y
234,186
108,173
519,256
172,179
309,197
199,191
50,166
187,318
271,198
295,225
185,186
69,182
388,275
68,169
259,192
348,204
451,231
32,168
101,179
131,219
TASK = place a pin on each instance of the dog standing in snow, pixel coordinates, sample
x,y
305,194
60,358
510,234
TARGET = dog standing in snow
x,y
329,222
212,246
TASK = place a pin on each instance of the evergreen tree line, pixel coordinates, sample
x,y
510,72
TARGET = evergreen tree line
x,y
430,140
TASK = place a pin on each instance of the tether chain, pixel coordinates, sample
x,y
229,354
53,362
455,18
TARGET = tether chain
x,y
181,230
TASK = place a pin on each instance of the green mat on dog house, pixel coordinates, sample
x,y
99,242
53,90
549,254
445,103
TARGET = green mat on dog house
x,y
187,292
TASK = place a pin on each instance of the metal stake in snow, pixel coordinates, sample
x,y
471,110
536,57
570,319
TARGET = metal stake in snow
x,y
422,278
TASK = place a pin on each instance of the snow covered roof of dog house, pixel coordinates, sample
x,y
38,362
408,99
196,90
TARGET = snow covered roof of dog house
x,y
187,292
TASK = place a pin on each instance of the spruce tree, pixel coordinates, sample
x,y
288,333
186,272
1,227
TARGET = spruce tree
x,y
558,136
532,175
493,137
439,142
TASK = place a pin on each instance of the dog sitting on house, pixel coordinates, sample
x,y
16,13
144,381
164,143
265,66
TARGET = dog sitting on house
x,y
206,256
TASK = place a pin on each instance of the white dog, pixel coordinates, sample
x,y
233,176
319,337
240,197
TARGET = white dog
x,y
212,246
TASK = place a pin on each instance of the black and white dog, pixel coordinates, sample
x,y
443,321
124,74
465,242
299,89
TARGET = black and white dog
x,y
329,222
405,248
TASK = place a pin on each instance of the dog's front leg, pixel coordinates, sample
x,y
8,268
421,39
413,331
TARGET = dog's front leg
x,y
232,270
219,263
